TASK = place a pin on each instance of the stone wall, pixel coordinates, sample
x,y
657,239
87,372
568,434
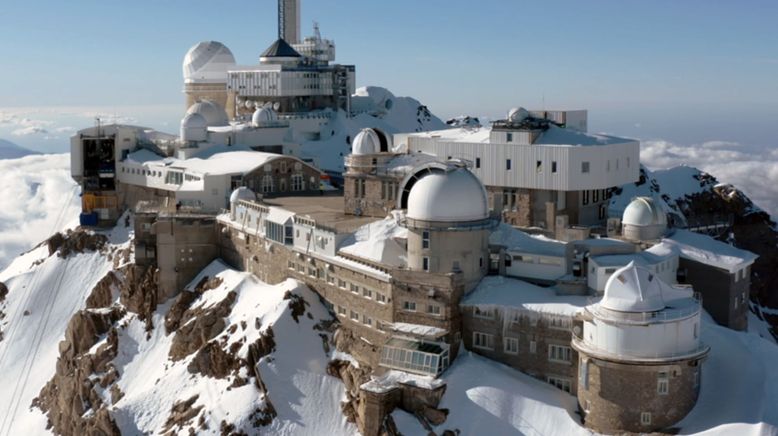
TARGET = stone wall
x,y
185,245
529,328
617,393
282,171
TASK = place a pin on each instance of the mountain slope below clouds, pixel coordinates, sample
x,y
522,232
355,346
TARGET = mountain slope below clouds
x,y
9,150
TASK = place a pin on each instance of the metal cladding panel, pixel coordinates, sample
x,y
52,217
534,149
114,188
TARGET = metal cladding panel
x,y
604,172
76,157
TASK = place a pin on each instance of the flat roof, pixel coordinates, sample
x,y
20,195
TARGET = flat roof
x,y
326,210
500,291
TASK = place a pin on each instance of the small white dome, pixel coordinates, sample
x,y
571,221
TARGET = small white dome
x,y
644,211
214,114
242,193
453,196
633,289
194,127
263,116
366,142
517,114
207,62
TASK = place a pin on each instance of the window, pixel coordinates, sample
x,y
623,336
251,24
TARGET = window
x,y
478,162
533,346
367,320
483,341
330,279
507,164
595,195
585,197
290,264
539,166
410,306
425,263
298,184
483,313
559,382
662,384
381,298
341,284
341,310
312,272
583,375
559,323
553,166
354,288
645,418
433,309
354,316
367,293
511,345
584,167
425,239
509,138
508,260
559,353
524,258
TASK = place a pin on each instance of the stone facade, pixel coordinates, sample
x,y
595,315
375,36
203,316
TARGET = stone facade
x,y
725,296
534,333
539,208
616,397
368,189
283,177
185,245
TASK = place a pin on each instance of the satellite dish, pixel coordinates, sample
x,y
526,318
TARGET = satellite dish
x,y
276,106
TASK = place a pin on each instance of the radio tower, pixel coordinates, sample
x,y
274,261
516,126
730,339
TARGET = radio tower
x,y
289,21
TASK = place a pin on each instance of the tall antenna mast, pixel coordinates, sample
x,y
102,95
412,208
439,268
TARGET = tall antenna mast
x,y
281,16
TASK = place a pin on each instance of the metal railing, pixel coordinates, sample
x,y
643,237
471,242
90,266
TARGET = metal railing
x,y
669,313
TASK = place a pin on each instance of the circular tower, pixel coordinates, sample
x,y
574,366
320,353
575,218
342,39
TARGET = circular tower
x,y
448,223
640,354
205,69
643,220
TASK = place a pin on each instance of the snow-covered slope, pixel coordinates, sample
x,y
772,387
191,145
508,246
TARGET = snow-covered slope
x,y
39,198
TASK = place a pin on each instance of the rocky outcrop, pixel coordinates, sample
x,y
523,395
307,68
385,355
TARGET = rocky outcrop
x,y
74,242
198,326
213,361
102,294
181,414
138,292
74,376
3,291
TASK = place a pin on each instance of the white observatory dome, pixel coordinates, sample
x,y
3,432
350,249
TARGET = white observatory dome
x,y
452,196
207,62
366,142
633,289
194,127
517,114
242,193
263,115
214,114
643,212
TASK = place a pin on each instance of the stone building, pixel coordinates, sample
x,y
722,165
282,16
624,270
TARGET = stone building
x,y
639,354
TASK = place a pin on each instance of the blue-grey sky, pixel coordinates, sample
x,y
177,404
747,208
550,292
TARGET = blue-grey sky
x,y
688,71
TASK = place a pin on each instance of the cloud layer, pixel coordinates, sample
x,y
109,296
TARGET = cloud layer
x,y
753,170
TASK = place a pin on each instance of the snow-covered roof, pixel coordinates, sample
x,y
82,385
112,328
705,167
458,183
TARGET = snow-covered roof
x,y
462,134
143,155
654,255
279,215
207,62
710,251
404,163
451,196
378,242
502,291
556,135
644,211
518,241
418,330
633,288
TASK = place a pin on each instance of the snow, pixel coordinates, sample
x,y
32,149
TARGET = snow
x,y
709,251
404,163
392,378
499,291
39,198
418,330
216,160
518,241
556,135
379,242
52,292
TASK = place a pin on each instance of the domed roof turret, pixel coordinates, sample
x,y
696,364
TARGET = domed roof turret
x,y
263,116
517,114
207,62
194,127
633,289
644,211
214,114
452,196
366,142
242,193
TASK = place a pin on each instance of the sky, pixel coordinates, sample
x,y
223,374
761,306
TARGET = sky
x,y
688,72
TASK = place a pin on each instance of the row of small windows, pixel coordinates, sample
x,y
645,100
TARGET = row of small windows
x,y
556,322
342,284
556,353
595,195
154,173
432,309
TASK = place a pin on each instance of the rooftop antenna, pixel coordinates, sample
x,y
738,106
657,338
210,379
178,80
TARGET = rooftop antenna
x,y
316,32
281,13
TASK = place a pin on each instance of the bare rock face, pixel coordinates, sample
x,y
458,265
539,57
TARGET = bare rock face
x,y
75,241
3,291
181,414
139,291
213,361
73,376
177,310
102,293
199,326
